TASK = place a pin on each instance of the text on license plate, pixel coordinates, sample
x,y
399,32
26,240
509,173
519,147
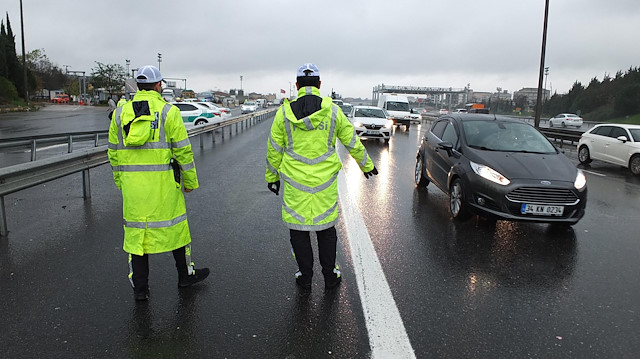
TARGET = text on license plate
x,y
541,209
373,132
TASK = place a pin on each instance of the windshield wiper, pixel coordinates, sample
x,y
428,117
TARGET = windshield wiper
x,y
483,148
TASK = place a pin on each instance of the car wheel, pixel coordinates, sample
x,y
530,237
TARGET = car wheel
x,y
550,123
200,122
634,165
386,140
583,155
564,124
421,180
457,205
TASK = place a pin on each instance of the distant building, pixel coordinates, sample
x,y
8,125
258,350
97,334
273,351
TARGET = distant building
x,y
531,94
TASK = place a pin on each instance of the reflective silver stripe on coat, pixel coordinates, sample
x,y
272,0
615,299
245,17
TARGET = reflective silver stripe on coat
x,y
308,90
112,146
293,213
307,123
142,168
352,144
325,214
310,227
187,166
287,127
275,146
308,189
365,155
332,127
271,168
311,161
180,144
157,224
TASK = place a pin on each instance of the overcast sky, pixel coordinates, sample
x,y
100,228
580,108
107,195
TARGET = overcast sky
x,y
356,44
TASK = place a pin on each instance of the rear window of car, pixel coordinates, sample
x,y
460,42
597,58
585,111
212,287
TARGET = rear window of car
x,y
602,130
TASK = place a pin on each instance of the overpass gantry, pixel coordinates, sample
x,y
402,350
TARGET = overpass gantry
x,y
443,95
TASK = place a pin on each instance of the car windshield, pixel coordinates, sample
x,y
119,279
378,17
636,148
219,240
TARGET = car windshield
x,y
370,112
397,106
346,108
250,103
493,135
635,133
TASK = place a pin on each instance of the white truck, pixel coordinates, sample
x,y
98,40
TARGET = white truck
x,y
397,107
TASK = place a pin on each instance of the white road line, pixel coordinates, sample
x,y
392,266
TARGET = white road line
x,y
387,335
595,173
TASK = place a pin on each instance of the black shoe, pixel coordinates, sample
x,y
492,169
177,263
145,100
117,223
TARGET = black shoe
x,y
303,284
332,283
198,276
141,295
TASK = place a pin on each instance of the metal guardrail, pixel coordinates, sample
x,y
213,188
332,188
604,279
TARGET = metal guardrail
x,y
21,176
33,141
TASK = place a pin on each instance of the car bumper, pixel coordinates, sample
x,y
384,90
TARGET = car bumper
x,y
384,133
492,200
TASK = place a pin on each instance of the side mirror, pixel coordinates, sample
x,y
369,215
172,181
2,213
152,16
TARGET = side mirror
x,y
447,146
624,139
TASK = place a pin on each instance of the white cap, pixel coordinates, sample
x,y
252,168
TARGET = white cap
x,y
148,75
308,69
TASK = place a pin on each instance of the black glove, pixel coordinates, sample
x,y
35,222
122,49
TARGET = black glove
x,y
274,187
373,172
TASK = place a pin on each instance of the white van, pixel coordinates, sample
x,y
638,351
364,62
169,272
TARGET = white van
x,y
168,95
397,107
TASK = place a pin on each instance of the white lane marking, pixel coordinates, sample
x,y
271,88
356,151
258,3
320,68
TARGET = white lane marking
x,y
595,173
387,335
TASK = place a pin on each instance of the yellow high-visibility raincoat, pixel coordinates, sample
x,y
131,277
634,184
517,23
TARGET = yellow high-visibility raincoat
x,y
302,152
144,135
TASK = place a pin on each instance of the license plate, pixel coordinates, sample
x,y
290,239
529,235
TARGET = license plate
x,y
371,132
541,209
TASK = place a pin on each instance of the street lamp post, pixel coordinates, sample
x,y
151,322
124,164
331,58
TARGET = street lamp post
x,y
24,61
546,76
159,60
240,82
536,120
128,63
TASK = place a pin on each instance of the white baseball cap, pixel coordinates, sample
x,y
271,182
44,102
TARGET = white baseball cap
x,y
149,75
308,69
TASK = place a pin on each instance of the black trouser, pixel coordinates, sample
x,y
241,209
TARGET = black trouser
x,y
140,268
301,243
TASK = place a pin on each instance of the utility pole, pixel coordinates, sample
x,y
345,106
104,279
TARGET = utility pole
x,y
546,76
159,60
240,82
128,63
536,120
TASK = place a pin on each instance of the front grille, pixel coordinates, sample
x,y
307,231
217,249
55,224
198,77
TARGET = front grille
x,y
373,127
543,195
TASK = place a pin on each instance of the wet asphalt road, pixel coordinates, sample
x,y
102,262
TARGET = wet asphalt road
x,y
472,289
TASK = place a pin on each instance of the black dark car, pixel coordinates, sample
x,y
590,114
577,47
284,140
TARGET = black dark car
x,y
500,168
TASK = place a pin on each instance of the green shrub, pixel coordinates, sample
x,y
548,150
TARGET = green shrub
x,y
8,92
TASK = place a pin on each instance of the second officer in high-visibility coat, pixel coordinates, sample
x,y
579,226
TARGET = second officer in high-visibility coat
x,y
301,150
149,151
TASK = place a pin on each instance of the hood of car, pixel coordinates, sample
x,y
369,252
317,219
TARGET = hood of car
x,y
371,120
516,165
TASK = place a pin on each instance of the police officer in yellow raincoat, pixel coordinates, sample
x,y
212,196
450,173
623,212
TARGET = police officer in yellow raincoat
x,y
149,151
301,150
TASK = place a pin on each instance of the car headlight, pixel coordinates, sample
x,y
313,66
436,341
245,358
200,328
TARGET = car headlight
x,y
389,124
357,124
489,173
581,180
